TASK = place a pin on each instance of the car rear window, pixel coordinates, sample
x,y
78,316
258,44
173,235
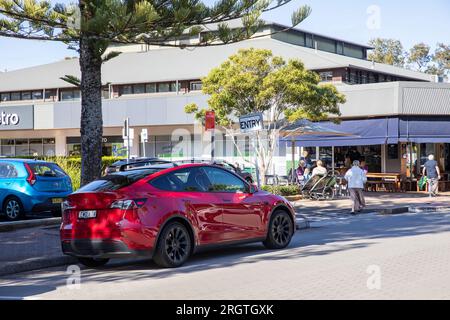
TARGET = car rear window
x,y
117,181
47,170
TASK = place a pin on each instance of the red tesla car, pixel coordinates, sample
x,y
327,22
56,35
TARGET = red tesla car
x,y
168,212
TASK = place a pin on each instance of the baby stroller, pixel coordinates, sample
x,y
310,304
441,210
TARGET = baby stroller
x,y
320,187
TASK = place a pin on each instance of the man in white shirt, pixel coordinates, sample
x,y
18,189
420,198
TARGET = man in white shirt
x,y
356,179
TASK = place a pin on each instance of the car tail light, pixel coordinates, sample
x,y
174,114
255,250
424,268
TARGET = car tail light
x,y
128,204
31,179
129,207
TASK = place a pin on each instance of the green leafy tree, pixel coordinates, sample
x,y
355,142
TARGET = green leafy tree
x,y
91,26
388,51
420,56
441,59
254,80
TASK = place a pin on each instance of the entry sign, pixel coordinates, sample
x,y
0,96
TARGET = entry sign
x,y
210,120
251,123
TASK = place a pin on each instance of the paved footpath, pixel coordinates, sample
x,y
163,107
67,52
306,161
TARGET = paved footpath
x,y
407,256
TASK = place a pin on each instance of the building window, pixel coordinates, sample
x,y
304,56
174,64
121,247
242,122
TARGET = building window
x,y
139,88
50,95
5,97
111,146
37,95
26,95
326,76
164,87
22,147
196,86
309,40
70,95
339,48
7,147
15,96
125,90
173,87
150,87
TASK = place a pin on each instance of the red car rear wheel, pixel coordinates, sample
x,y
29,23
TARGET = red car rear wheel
x,y
174,246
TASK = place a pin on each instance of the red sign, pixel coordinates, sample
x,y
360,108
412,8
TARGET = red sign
x,y
210,120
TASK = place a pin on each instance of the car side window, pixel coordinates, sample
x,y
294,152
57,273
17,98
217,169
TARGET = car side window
x,y
224,181
7,171
188,179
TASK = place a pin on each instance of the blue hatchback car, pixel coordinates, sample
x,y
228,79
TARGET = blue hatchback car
x,y
31,186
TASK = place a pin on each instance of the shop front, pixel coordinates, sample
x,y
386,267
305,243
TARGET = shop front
x,y
391,145
111,146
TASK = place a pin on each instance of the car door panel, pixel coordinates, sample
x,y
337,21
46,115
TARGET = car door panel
x,y
242,211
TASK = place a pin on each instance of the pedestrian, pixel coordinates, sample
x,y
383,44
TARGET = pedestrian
x,y
306,158
319,170
433,174
356,178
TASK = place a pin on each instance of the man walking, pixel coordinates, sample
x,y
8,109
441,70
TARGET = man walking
x,y
433,174
356,178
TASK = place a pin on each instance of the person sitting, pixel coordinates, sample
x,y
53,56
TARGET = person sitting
x,y
320,170
302,172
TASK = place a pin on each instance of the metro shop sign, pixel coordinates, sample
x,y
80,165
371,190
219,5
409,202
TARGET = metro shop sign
x,y
16,117
9,119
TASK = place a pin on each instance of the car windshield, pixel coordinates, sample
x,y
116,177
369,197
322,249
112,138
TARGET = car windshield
x,y
117,181
47,170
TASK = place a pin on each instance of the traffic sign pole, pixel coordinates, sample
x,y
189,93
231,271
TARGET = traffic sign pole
x,y
144,139
210,125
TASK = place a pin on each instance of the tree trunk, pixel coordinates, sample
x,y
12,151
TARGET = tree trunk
x,y
91,127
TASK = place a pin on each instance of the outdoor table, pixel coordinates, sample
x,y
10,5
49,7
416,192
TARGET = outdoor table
x,y
384,179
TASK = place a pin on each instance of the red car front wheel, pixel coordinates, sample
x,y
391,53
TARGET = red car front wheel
x,y
280,232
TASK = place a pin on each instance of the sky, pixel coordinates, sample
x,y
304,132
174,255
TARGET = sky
x,y
410,21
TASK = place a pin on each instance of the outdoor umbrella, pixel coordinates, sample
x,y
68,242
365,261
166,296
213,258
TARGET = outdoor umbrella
x,y
305,127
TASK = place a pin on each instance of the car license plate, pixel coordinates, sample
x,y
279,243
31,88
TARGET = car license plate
x,y
57,200
90,214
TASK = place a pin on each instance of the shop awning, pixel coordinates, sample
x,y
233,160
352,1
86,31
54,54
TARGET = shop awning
x,y
365,132
424,130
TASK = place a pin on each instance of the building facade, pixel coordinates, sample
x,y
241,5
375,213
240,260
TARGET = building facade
x,y
40,113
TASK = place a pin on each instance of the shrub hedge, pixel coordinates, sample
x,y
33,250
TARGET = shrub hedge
x,y
282,190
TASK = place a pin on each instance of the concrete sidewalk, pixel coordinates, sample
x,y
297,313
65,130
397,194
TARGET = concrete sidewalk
x,y
376,202
30,249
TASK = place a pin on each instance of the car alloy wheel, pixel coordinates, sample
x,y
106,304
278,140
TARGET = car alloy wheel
x,y
281,229
174,246
177,244
12,209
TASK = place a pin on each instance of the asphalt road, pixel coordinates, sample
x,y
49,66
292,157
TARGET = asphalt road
x,y
364,257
